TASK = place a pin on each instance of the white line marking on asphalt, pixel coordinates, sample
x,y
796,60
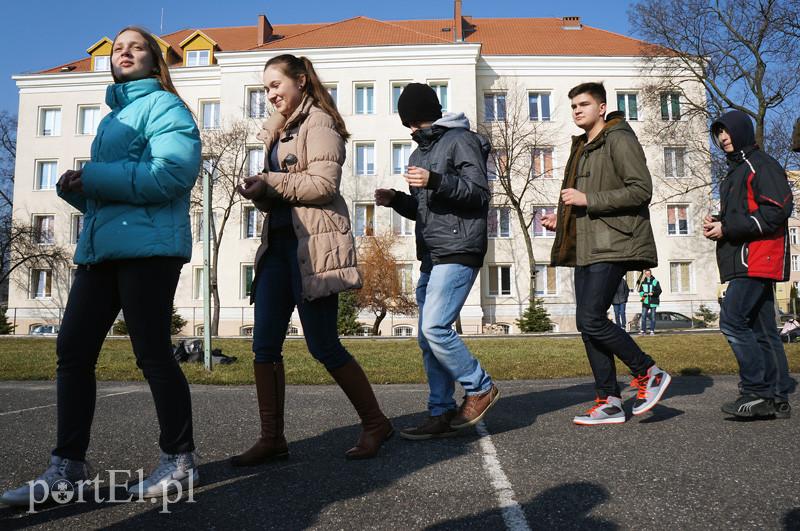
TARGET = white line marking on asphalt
x,y
513,515
54,405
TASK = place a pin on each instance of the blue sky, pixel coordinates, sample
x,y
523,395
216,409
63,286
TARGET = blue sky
x,y
52,32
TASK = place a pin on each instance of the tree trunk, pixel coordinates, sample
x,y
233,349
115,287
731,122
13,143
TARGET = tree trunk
x,y
378,320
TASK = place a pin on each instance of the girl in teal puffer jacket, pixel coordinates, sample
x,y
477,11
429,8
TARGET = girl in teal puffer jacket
x,y
135,197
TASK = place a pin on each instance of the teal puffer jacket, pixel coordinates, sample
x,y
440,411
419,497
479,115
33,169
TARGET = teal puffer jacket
x,y
145,160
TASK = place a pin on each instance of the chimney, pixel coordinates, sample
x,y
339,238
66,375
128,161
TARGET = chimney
x,y
264,30
571,23
457,22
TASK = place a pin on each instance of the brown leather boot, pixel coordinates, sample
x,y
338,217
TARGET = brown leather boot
x,y
271,390
376,427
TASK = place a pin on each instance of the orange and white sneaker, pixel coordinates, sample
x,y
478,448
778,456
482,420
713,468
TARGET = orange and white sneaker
x,y
605,411
650,388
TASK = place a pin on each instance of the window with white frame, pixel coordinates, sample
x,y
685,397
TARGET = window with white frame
x,y
255,160
43,228
292,331
50,121
494,107
197,283
404,277
365,158
41,284
76,228
101,63
401,226
80,163
499,222
796,262
365,219
365,331
503,328
88,120
198,57
247,280
793,235
539,106
671,106
680,277
46,174
246,330
538,229
675,162
542,162
209,169
499,280
257,103
678,220
402,331
365,98
546,280
252,222
496,164
397,89
627,103
401,151
333,90
441,89
197,225
210,114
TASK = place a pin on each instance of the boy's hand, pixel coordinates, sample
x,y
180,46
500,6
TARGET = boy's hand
x,y
571,196
383,197
712,229
418,177
549,221
252,187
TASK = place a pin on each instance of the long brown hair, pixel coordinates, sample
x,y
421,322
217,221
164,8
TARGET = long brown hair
x,y
295,67
160,70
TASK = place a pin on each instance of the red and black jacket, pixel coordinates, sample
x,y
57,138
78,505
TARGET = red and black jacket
x,y
756,203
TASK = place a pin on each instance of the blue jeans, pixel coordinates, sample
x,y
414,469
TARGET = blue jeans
x,y
648,312
748,321
277,292
441,295
619,314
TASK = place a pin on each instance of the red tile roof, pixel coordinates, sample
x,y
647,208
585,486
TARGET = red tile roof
x,y
497,36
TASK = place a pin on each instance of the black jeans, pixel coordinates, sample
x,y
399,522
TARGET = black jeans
x,y
595,286
144,289
277,292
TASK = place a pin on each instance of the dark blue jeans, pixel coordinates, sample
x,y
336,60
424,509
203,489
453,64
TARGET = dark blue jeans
x,y
619,315
748,321
648,312
277,292
595,286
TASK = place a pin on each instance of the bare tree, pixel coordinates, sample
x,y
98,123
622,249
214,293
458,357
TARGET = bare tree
x,y
8,154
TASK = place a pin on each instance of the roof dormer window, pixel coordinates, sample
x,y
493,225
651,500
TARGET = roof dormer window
x,y
198,49
101,63
101,55
198,57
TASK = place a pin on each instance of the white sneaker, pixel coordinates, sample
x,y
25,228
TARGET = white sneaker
x,y
175,472
605,411
59,480
652,333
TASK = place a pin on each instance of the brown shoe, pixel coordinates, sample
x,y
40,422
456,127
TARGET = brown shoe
x,y
474,407
435,427
271,391
376,427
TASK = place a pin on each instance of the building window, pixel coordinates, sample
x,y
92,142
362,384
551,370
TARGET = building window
x,y
76,228
43,229
631,277
627,103
795,262
671,106
401,226
80,163
499,280
41,283
538,229
496,164
197,225
257,103
494,107
292,331
210,112
101,63
198,57
677,220
365,220
397,89
252,222
333,90
197,283
247,280
50,122
793,236
88,119
365,99
365,159
680,277
674,162
404,276
403,331
499,222
46,174
440,87
539,106
546,280
255,160
246,331
503,328
401,151
365,331
542,162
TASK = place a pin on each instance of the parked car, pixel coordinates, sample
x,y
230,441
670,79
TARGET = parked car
x,y
44,330
666,321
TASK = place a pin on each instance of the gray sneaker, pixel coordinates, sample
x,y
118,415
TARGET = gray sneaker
x,y
605,411
61,479
175,472
650,389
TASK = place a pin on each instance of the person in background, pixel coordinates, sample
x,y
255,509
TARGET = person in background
x,y
650,293
619,302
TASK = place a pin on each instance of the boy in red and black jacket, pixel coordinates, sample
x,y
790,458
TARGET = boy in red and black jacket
x,y
752,254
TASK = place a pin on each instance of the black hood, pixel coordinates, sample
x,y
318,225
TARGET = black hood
x,y
739,126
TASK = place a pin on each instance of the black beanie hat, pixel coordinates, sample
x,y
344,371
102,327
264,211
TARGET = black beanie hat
x,y
418,103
